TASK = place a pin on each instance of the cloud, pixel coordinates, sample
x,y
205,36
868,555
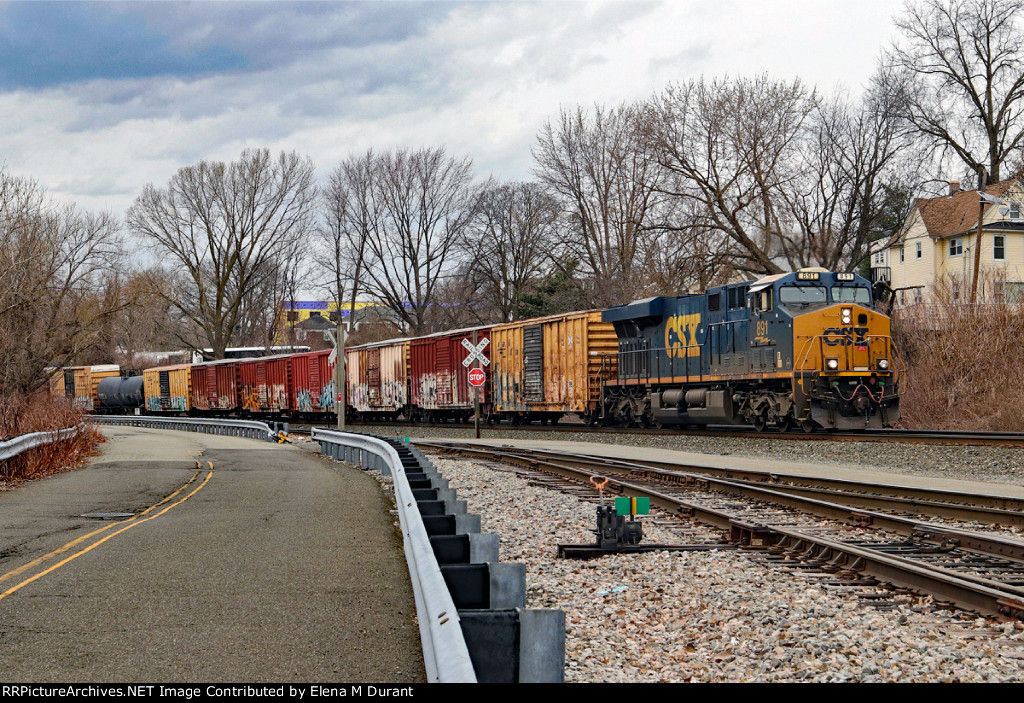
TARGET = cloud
x,y
164,85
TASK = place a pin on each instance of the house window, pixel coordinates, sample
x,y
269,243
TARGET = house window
x,y
1014,211
901,255
917,250
879,258
956,246
999,247
1014,292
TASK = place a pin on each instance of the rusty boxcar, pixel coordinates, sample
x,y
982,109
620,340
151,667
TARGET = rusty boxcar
x,y
168,388
378,379
438,381
215,386
549,366
312,382
263,384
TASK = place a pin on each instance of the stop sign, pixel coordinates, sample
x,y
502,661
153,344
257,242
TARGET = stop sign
x,y
476,377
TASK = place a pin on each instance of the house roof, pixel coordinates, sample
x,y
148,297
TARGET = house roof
x,y
950,215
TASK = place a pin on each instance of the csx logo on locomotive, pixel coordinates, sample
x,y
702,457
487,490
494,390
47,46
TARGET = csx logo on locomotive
x,y
845,336
681,336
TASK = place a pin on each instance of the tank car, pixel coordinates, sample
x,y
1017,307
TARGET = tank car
x,y
804,348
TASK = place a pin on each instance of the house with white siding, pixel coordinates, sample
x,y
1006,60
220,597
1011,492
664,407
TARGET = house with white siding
x,y
936,246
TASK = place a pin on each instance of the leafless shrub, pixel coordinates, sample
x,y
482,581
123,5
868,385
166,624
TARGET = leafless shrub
x,y
963,362
39,412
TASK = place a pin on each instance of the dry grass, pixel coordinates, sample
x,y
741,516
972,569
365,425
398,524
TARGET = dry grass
x,y
965,365
40,412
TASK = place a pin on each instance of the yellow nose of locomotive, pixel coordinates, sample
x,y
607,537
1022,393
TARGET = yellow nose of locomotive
x,y
843,340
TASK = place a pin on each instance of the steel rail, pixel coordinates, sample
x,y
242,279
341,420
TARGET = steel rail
x,y
966,590
935,502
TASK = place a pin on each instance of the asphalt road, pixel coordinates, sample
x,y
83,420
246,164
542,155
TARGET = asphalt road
x,y
276,565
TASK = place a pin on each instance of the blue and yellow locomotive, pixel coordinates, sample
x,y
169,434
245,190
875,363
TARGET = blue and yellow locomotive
x,y
801,349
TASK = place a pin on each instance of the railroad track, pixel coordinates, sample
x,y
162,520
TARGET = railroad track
x,y
942,437
850,529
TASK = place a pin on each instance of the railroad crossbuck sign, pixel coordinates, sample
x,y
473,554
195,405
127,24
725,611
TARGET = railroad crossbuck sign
x,y
476,353
476,377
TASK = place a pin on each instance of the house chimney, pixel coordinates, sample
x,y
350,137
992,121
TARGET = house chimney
x,y
954,187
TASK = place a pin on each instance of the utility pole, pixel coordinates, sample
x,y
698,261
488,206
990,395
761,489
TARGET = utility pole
x,y
340,377
977,240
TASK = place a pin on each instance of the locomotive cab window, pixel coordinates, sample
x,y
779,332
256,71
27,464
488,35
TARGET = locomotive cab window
x,y
763,300
714,302
851,294
801,295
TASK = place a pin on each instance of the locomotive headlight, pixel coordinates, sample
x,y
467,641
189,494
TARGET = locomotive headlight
x,y
847,316
832,364
883,364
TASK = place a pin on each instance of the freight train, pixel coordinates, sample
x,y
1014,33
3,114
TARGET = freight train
x,y
805,349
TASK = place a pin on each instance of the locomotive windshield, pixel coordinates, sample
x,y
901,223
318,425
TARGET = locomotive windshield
x,y
844,294
801,295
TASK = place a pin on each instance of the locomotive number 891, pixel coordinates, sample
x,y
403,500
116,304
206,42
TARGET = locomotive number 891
x,y
805,348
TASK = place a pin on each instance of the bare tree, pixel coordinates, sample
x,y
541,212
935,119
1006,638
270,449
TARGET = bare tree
x,y
732,147
351,216
53,260
222,224
604,172
513,234
423,203
838,206
964,61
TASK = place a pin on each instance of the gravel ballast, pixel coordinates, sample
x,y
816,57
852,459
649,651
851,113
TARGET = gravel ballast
x,y
718,616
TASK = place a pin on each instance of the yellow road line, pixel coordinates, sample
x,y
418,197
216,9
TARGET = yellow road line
x,y
127,525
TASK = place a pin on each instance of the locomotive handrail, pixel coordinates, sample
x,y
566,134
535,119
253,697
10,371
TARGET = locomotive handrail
x,y
22,443
647,376
237,428
445,653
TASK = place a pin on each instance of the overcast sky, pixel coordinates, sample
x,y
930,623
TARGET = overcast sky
x,y
97,99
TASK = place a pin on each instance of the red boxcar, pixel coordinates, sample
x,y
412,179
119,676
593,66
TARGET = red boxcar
x,y
312,382
215,386
263,384
438,380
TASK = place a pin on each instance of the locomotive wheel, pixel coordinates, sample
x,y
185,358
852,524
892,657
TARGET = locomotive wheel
x,y
808,425
759,423
785,424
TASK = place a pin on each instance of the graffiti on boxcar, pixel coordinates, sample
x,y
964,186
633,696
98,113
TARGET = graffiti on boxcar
x,y
360,397
278,397
250,399
224,402
303,401
394,394
428,390
153,403
327,396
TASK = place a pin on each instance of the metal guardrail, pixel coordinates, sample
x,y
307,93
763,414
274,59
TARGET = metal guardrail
x,y
22,443
235,428
445,653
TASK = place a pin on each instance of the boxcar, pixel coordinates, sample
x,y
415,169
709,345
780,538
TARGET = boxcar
x,y
168,388
215,386
378,376
79,383
439,382
549,366
263,384
312,382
